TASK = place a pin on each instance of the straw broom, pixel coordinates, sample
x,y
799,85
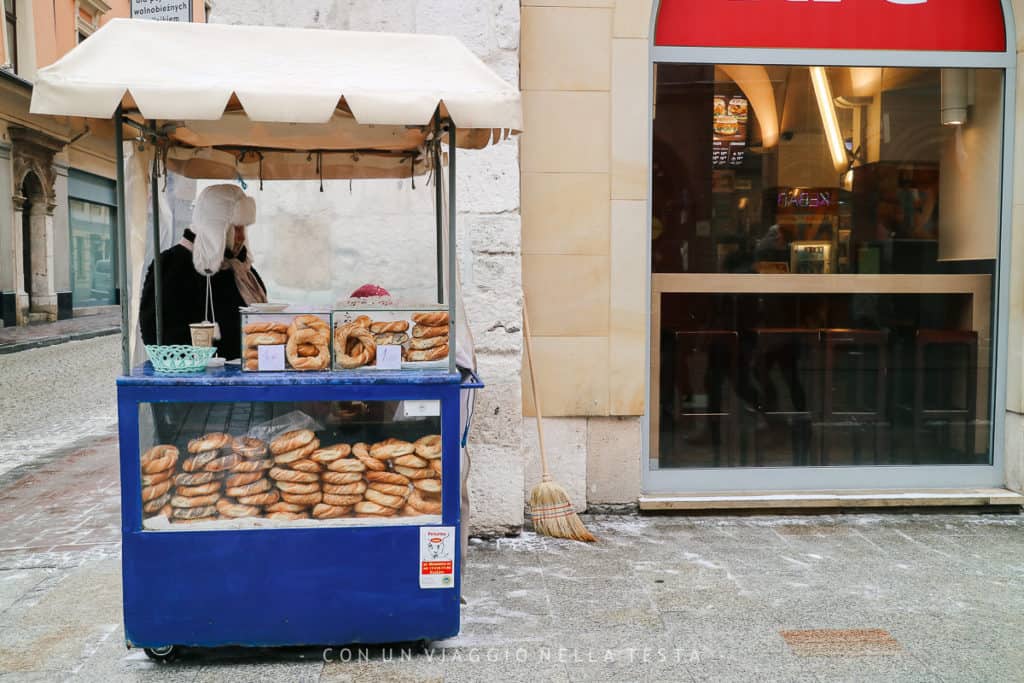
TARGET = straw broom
x,y
550,508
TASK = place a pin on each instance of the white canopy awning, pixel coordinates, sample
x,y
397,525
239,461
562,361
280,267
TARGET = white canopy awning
x,y
272,90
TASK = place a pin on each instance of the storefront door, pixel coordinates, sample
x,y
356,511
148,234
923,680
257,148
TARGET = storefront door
x,y
830,208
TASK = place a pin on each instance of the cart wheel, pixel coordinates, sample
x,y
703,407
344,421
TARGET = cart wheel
x,y
423,646
167,653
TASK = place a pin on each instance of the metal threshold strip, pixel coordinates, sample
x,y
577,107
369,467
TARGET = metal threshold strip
x,y
832,499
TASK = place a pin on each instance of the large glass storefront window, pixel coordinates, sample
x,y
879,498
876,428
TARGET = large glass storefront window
x,y
824,256
92,218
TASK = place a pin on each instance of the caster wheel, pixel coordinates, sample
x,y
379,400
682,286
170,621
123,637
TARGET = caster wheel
x,y
167,653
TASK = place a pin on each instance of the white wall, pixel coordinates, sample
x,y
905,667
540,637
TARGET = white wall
x,y
327,244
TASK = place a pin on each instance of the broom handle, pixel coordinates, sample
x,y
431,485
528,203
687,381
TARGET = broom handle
x,y
536,397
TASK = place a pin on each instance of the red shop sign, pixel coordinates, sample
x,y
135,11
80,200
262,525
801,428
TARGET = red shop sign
x,y
947,25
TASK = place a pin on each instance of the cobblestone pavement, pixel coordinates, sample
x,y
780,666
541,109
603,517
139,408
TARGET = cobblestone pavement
x,y
54,397
831,598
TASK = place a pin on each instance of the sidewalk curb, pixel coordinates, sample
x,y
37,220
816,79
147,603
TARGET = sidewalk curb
x,y
15,347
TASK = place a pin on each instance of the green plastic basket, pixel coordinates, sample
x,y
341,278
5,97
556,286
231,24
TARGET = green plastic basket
x,y
179,358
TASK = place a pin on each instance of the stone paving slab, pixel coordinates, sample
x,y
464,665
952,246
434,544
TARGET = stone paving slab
x,y
657,599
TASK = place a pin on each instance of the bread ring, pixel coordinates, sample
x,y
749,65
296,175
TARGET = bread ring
x,y
242,479
436,353
324,511
427,485
266,339
375,496
347,465
310,322
286,507
287,516
426,331
335,452
194,479
158,504
289,441
223,463
335,499
213,441
306,465
298,453
387,477
235,510
251,353
302,498
355,488
252,328
410,460
198,462
394,326
427,343
436,466
390,489
414,473
307,350
258,486
294,487
362,453
318,361
342,334
196,514
368,507
341,477
363,321
428,446
253,465
427,507
194,501
431,319
249,447
391,339
151,492
267,498
158,459
200,490
252,364
156,477
281,474
391,448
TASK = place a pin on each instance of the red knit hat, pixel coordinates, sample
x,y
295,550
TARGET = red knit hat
x,y
368,291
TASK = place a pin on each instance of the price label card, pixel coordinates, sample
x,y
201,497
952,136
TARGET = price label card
x,y
271,357
389,357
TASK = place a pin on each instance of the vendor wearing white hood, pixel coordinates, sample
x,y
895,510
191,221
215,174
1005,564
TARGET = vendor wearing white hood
x,y
212,254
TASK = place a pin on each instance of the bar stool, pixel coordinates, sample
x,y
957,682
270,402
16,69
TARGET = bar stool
x,y
854,391
939,408
795,354
719,416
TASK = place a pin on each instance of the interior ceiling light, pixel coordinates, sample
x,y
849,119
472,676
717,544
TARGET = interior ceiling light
x,y
954,97
827,107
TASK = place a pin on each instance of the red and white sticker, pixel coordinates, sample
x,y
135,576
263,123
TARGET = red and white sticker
x,y
437,557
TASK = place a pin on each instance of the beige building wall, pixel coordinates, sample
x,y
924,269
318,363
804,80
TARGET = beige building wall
x,y
584,165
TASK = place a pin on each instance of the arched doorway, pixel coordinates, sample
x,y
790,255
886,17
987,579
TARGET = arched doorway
x,y
33,242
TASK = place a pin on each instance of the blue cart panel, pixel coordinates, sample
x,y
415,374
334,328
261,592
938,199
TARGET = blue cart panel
x,y
330,585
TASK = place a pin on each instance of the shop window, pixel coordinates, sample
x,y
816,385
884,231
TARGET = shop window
x,y
843,223
92,221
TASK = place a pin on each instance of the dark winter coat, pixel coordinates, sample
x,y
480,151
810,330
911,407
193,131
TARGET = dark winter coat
x,y
183,299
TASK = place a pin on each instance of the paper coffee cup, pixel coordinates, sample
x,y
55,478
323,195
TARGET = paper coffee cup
x,y
202,334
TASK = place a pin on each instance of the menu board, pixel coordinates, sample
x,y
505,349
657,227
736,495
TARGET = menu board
x,y
730,130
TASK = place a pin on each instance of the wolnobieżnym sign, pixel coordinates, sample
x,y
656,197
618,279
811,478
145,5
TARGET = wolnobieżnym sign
x,y
162,10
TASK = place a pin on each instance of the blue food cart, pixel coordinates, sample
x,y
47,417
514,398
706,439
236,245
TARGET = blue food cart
x,y
295,507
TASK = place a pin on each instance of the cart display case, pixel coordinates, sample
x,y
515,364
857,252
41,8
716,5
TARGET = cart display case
x,y
392,338
277,550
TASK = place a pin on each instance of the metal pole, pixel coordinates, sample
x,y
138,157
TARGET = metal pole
x,y
452,255
438,206
158,282
122,261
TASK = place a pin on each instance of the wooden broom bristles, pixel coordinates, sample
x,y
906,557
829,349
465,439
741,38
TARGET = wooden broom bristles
x,y
551,510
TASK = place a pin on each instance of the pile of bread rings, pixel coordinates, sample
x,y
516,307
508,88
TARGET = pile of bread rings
x,y
307,342
291,478
356,342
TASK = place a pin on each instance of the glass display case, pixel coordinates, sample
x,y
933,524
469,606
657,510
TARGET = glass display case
x,y
286,339
391,338
271,464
